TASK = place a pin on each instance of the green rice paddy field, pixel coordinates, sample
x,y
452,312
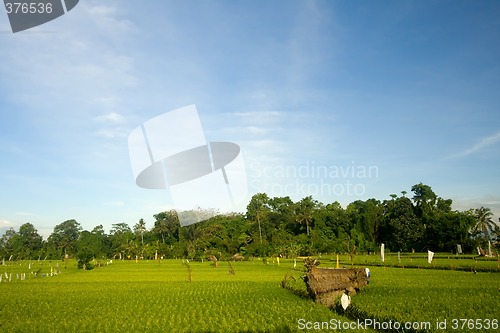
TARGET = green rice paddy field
x,y
157,296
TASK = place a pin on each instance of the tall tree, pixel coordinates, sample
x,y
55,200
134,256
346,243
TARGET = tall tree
x,y
402,229
280,218
425,205
304,210
101,240
88,247
424,197
257,210
140,228
99,230
367,216
120,236
29,242
167,226
7,243
65,236
450,228
484,223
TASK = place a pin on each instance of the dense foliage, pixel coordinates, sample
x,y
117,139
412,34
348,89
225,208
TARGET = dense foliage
x,y
272,226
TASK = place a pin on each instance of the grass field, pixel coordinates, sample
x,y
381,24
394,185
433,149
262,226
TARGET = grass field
x,y
157,296
423,296
419,260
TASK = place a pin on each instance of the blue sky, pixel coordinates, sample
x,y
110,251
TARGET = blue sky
x,y
401,92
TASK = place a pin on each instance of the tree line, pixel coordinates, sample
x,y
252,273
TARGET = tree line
x,y
272,226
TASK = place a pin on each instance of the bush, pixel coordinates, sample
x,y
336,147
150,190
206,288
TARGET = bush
x,y
84,256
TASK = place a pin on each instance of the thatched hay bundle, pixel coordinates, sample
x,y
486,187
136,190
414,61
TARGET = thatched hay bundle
x,y
238,257
325,285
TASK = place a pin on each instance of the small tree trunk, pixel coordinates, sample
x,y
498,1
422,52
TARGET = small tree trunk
x,y
260,230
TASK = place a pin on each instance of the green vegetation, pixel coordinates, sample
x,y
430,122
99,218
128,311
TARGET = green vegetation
x,y
154,296
420,298
158,296
414,295
135,279
467,263
272,227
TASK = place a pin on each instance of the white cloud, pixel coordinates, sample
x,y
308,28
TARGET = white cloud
x,y
4,224
483,143
26,214
107,18
257,114
250,130
492,202
70,67
111,117
263,143
257,130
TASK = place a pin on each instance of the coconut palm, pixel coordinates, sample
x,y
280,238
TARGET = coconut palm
x,y
484,223
140,228
305,210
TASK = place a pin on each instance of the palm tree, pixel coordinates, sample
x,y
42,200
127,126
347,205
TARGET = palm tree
x,y
484,223
132,247
140,228
304,210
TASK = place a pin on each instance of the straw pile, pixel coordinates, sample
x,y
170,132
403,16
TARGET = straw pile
x,y
326,285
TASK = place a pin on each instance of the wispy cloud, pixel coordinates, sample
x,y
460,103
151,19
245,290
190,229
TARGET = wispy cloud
x,y
491,201
26,214
5,224
245,131
111,117
86,72
257,114
262,143
256,130
483,143
107,102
